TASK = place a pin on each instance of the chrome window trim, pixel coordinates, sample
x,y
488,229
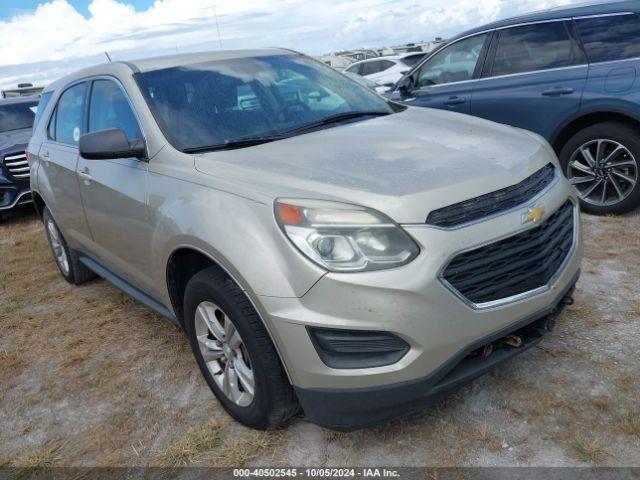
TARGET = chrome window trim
x,y
524,295
582,65
556,178
617,14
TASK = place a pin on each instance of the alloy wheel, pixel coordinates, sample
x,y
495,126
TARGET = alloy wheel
x,y
604,172
59,252
224,353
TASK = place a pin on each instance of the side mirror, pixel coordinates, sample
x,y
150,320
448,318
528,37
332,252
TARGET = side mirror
x,y
110,144
405,84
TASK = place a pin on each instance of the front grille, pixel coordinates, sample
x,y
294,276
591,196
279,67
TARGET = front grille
x,y
515,265
17,165
494,202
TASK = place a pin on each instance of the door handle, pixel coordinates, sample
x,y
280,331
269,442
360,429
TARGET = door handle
x,y
46,158
85,175
454,100
557,92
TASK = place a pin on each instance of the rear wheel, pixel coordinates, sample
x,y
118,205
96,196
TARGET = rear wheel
x,y
235,353
602,163
67,260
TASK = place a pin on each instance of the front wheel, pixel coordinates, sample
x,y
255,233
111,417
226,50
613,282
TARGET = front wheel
x,y
235,353
602,163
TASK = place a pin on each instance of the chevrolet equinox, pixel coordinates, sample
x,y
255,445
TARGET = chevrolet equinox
x,y
323,248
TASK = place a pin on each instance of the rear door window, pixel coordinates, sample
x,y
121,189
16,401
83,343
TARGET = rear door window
x,y
109,108
386,65
610,38
368,68
69,114
530,48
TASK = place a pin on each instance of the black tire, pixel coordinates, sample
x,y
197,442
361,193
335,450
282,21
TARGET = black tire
x,y
274,400
625,135
75,273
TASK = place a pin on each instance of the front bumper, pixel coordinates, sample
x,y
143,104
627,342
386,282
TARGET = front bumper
x,y
414,304
349,409
12,195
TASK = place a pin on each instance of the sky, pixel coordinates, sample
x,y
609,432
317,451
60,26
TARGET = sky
x,y
44,40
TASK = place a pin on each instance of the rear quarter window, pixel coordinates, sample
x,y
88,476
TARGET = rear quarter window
x,y
610,38
42,106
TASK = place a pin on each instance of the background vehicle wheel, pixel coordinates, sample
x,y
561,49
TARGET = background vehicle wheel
x,y
235,353
602,162
66,259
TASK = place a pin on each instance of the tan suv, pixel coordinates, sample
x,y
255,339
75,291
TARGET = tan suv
x,y
321,247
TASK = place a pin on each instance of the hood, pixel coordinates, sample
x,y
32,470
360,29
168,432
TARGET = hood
x,y
404,165
14,139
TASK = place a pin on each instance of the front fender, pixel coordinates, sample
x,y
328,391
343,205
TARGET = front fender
x,y
239,234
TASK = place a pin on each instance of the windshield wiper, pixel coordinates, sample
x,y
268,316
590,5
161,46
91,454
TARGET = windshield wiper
x,y
337,118
233,144
251,141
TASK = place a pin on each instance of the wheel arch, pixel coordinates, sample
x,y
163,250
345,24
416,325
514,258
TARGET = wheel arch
x,y
186,261
588,118
38,203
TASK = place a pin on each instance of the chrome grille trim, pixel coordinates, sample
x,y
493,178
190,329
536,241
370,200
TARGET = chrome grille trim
x,y
17,165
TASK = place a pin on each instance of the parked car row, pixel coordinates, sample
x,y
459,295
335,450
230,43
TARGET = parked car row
x,y
328,249
385,71
342,59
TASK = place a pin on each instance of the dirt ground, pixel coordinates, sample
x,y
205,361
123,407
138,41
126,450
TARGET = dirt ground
x,y
89,377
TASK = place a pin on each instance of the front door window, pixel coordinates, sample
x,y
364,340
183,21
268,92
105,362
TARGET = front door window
x,y
454,63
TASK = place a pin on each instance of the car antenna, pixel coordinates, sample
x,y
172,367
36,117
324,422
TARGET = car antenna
x,y
215,14
108,57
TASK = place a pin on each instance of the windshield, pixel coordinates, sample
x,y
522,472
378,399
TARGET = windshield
x,y
221,102
16,116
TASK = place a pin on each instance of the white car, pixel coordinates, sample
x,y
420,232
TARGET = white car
x,y
385,70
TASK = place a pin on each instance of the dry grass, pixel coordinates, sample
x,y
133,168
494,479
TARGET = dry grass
x,y
630,424
212,443
589,451
602,402
46,456
198,444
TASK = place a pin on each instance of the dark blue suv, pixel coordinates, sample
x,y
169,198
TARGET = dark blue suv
x,y
571,75
16,120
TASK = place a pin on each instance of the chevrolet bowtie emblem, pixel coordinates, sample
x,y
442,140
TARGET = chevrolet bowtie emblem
x,y
533,215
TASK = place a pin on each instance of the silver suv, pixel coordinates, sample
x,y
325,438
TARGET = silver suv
x,y
322,247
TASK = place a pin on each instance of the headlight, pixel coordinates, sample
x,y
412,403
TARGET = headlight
x,y
344,238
